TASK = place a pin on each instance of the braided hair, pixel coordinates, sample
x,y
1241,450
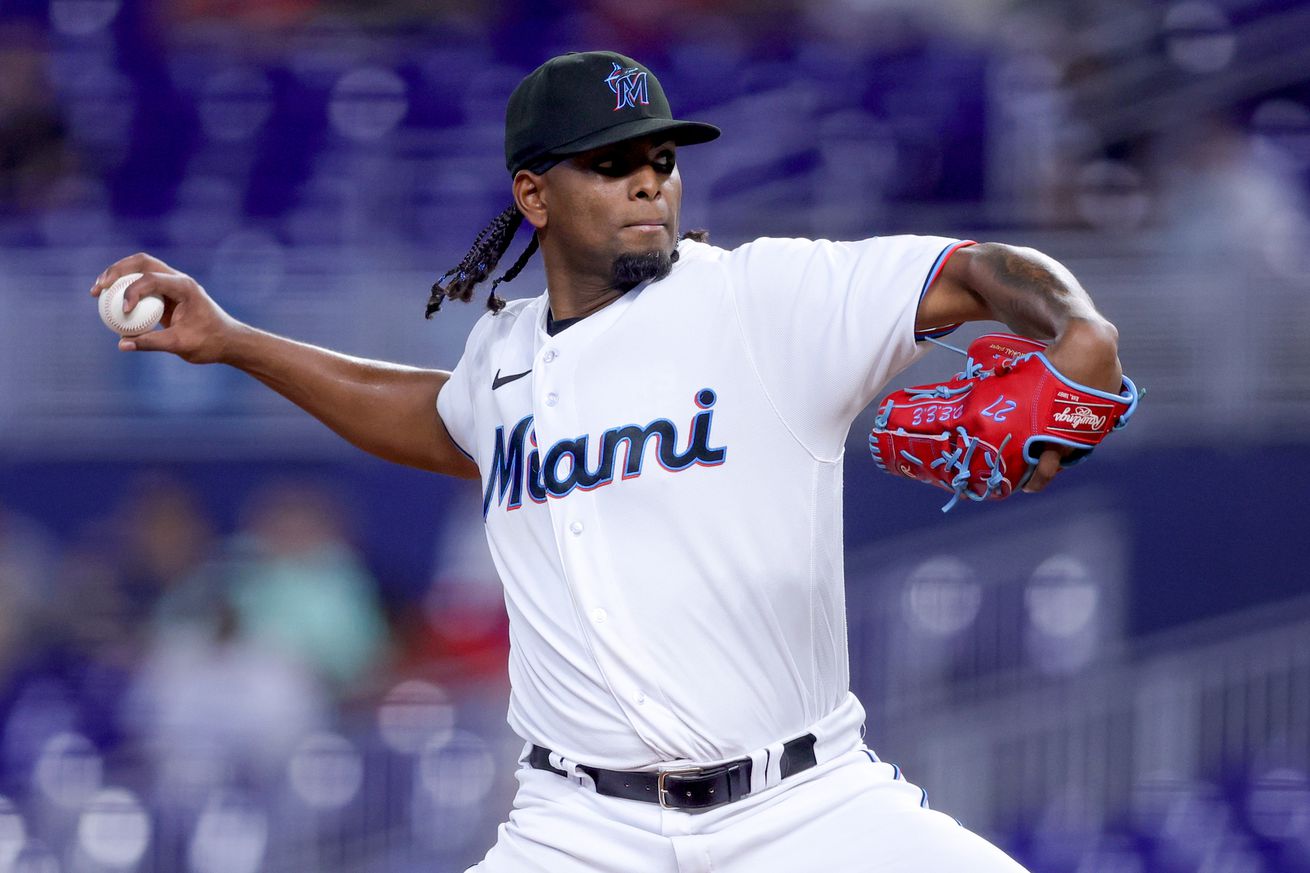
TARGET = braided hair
x,y
485,253
483,256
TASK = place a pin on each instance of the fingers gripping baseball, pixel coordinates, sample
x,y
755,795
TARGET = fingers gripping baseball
x,y
194,327
138,263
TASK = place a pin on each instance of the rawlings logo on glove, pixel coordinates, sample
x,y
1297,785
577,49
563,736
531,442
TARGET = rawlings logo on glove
x,y
1080,417
981,434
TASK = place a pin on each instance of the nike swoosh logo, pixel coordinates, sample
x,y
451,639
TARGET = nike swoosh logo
x,y
498,381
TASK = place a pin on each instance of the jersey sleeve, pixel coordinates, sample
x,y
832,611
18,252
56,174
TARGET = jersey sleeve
x,y
455,407
455,400
828,324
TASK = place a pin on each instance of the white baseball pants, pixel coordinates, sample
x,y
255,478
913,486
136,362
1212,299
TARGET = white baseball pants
x,y
853,813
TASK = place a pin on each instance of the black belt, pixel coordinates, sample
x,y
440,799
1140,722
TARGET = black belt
x,y
687,788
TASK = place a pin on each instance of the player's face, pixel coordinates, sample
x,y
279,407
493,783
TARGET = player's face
x,y
616,207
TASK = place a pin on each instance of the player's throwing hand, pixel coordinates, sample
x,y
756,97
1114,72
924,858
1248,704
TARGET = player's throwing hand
x,y
195,328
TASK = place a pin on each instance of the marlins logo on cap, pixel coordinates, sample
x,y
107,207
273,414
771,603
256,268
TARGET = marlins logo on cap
x,y
564,107
629,86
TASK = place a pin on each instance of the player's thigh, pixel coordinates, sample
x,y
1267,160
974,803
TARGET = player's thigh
x,y
859,816
557,827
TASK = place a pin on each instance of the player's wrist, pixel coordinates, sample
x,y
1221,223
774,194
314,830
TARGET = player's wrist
x,y
238,344
1087,350
1091,331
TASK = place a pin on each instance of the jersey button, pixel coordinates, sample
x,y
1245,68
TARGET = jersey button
x,y
640,697
550,356
552,398
599,615
575,528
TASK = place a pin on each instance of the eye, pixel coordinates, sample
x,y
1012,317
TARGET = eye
x,y
621,165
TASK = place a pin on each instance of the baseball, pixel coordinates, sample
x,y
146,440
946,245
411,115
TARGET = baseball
x,y
144,316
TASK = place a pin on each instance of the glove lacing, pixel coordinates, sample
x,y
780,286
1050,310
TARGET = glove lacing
x,y
959,461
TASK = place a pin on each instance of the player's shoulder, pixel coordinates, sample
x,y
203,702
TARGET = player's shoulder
x,y
496,327
760,253
765,251
691,250
789,255
509,316
768,258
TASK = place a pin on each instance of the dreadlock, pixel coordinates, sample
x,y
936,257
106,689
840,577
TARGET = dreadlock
x,y
481,260
485,254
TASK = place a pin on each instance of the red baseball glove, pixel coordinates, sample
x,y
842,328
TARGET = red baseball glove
x,y
981,434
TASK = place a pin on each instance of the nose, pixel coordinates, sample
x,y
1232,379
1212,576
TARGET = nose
x,y
646,183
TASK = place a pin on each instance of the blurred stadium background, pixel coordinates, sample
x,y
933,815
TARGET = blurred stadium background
x,y
229,643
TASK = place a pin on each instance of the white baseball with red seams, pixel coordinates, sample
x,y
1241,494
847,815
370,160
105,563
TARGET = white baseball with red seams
x,y
143,317
662,496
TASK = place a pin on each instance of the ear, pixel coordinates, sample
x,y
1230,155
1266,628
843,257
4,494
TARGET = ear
x,y
529,196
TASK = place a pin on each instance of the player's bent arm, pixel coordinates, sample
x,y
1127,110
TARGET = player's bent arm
x,y
385,409
1034,295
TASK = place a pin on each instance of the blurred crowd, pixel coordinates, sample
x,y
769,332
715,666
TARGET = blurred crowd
x,y
1096,115
152,654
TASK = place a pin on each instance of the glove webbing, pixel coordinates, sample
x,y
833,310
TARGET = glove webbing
x,y
959,459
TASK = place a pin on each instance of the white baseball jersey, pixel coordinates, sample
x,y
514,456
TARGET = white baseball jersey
x,y
662,493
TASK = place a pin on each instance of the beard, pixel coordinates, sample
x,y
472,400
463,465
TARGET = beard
x,y
630,269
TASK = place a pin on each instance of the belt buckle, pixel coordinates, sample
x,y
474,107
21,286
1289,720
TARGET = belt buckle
x,y
663,792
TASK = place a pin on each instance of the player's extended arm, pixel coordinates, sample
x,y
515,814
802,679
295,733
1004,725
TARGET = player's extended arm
x,y
1035,296
385,409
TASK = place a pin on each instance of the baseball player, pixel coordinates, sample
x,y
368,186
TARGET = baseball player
x,y
659,438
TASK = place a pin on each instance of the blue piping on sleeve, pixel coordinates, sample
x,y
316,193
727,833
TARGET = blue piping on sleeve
x,y
937,265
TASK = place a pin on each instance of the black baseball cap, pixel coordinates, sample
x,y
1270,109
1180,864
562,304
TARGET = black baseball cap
x,y
584,100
